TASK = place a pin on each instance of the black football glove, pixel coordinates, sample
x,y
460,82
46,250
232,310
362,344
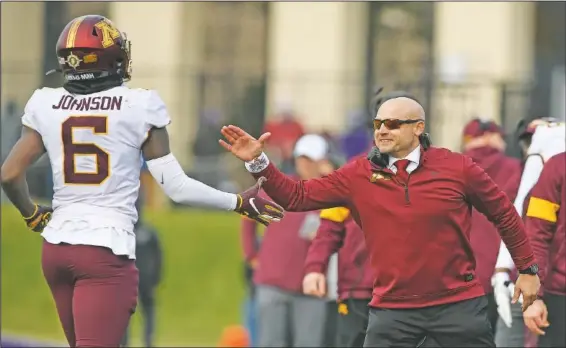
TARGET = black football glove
x,y
257,208
39,219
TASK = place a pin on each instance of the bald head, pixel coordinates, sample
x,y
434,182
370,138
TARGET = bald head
x,y
402,108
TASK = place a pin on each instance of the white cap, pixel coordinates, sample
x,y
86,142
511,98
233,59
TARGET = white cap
x,y
313,146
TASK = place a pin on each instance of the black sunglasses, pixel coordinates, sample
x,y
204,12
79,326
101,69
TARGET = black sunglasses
x,y
392,123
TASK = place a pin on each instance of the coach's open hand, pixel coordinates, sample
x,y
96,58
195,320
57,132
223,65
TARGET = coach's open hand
x,y
528,286
258,208
241,144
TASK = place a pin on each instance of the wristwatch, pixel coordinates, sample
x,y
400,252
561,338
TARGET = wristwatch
x,y
532,270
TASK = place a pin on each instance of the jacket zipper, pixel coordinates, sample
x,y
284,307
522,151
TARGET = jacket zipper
x,y
407,199
405,187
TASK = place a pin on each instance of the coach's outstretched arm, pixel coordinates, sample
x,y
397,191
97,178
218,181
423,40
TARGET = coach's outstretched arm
x,y
491,201
167,171
327,192
27,150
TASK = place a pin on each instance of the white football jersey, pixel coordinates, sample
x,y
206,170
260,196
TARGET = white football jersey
x,y
94,145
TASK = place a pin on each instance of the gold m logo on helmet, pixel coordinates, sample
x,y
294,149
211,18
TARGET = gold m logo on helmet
x,y
109,33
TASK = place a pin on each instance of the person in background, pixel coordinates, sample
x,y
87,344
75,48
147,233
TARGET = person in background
x,y
483,141
338,232
286,130
149,263
546,227
357,136
287,317
526,129
544,138
334,161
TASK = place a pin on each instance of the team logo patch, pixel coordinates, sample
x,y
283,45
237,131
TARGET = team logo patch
x,y
378,176
73,60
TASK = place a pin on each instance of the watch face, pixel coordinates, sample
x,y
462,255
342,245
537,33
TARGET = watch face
x,y
534,268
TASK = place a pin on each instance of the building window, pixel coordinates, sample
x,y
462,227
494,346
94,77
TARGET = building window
x,y
401,51
235,59
550,55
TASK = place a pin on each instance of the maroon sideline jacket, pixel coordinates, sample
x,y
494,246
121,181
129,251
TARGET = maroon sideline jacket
x,y
417,236
338,232
506,173
546,224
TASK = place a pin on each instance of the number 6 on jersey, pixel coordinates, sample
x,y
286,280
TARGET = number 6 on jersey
x,y
72,149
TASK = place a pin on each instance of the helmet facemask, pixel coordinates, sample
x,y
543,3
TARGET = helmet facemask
x,y
126,71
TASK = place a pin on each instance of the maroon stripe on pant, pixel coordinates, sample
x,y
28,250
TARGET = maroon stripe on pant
x,y
94,290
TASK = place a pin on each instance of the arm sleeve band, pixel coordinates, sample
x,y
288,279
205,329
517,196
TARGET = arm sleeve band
x,y
180,188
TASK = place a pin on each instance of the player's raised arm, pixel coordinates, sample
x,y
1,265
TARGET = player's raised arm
x,y
27,150
304,195
167,171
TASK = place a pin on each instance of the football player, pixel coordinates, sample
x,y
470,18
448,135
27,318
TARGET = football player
x,y
541,139
94,129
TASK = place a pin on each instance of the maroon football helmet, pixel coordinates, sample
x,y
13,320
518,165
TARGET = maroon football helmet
x,y
91,48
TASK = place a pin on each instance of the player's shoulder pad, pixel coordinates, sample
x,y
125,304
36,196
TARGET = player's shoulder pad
x,y
37,95
145,98
49,90
338,214
152,105
36,98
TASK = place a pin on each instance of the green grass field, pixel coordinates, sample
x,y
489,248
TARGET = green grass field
x,y
201,291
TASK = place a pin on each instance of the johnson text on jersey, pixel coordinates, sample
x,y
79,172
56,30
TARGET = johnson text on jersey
x,y
68,102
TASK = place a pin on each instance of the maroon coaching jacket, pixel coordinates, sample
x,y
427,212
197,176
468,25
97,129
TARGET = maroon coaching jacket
x,y
338,232
506,173
546,224
418,235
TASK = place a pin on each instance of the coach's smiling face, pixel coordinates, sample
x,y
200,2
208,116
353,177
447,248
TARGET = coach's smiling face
x,y
397,126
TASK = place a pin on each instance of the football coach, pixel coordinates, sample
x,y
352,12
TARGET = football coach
x,y
414,205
